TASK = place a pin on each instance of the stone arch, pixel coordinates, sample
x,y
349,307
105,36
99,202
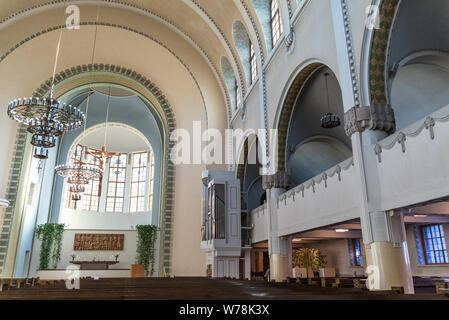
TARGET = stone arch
x,y
104,73
287,108
379,51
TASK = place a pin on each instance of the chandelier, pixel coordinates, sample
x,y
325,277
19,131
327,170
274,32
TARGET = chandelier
x,y
329,120
45,119
78,175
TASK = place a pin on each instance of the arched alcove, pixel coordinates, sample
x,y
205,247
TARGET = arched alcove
x,y
243,44
418,61
231,83
309,148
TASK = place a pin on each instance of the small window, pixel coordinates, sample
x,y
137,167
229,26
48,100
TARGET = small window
x,y
90,199
355,252
253,64
116,184
150,199
138,178
238,101
276,25
434,244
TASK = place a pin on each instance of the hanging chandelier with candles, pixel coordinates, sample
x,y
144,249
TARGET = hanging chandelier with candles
x,y
78,175
329,120
46,118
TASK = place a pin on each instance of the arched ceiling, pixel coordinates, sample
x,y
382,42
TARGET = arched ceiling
x,y
197,32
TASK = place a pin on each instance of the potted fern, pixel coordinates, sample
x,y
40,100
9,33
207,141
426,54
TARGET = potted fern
x,y
306,261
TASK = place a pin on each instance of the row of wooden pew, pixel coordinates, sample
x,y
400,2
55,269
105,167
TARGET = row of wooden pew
x,y
340,282
21,283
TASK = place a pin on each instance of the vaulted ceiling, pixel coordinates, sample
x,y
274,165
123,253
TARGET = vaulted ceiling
x,y
196,33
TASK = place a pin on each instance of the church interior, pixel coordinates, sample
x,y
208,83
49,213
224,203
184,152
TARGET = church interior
x,y
224,149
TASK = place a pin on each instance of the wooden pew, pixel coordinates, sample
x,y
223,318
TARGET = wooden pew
x,y
442,287
4,283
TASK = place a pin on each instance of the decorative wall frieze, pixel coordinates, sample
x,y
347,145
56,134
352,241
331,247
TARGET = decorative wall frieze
x,y
374,117
279,180
312,183
228,44
154,15
401,137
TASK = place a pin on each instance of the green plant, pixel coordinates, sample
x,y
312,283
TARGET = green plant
x,y
50,235
146,238
309,258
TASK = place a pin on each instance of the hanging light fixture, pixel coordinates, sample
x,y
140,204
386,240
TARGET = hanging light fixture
x,y
78,174
329,120
46,118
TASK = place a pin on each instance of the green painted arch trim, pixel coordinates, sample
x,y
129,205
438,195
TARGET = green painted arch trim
x,y
379,52
287,110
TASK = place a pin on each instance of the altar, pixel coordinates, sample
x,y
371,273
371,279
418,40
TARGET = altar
x,y
94,265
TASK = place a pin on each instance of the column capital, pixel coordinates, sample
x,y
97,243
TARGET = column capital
x,y
373,117
278,180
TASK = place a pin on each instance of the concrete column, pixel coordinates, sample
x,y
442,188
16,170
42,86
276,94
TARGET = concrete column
x,y
388,263
279,248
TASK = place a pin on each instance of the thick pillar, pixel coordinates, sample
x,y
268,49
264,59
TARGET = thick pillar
x,y
387,259
279,248
388,263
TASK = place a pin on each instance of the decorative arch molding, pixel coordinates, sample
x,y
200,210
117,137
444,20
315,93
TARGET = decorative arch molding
x,y
379,52
96,127
99,73
142,10
107,24
221,35
286,110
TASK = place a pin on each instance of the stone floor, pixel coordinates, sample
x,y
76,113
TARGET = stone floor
x,y
200,289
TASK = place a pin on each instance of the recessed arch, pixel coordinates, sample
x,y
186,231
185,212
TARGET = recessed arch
x,y
78,76
406,47
231,82
286,109
243,44
263,12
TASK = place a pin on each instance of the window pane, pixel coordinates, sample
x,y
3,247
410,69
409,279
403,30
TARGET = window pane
x,y
435,244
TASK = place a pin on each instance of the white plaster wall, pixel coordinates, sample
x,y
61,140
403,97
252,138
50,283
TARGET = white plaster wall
x,y
103,220
326,205
421,173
